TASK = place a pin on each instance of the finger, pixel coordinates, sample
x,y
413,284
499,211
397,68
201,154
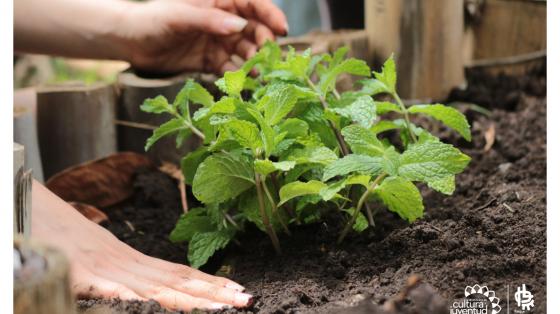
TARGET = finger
x,y
228,66
185,18
219,57
87,285
257,33
265,12
245,48
188,272
262,34
203,289
126,281
179,301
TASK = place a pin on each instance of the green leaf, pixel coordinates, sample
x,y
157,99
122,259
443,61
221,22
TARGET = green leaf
x,y
169,127
298,188
221,177
384,107
361,223
245,133
266,166
189,224
362,111
191,161
194,92
182,136
267,133
444,185
431,161
329,192
249,205
402,197
362,141
362,164
350,66
373,87
318,155
203,245
383,126
294,128
233,82
317,124
449,116
282,99
158,104
388,75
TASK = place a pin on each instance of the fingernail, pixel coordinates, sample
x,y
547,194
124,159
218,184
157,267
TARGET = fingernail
x,y
220,306
244,299
234,286
287,28
234,24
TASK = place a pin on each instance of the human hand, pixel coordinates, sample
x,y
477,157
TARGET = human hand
x,y
102,266
197,35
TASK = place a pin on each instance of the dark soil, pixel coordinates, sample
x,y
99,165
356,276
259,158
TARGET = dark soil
x,y
491,232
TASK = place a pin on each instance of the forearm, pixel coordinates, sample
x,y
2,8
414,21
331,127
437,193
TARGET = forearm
x,y
71,28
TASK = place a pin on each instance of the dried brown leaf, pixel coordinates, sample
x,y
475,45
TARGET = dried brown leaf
x,y
102,182
175,172
490,137
90,212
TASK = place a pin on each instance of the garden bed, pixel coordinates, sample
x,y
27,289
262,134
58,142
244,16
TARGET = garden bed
x,y
492,231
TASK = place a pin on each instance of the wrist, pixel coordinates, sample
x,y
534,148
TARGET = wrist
x,y
120,30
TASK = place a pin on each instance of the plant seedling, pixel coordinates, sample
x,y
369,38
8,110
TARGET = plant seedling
x,y
286,147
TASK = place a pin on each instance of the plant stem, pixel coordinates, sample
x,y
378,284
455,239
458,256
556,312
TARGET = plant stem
x,y
190,125
369,215
339,137
274,207
406,117
361,202
264,216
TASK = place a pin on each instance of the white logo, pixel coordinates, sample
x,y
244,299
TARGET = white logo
x,y
524,298
478,300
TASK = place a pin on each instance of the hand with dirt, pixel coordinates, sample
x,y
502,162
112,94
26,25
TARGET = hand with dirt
x,y
102,266
157,36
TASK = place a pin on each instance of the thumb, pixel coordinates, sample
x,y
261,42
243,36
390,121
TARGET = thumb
x,y
209,20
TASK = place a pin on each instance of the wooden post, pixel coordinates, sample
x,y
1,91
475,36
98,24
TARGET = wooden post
x,y
22,193
135,126
426,39
43,287
520,27
25,129
75,124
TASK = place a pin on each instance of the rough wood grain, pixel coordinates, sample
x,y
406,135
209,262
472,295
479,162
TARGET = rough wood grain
x,y
22,193
75,124
520,27
25,129
44,293
426,38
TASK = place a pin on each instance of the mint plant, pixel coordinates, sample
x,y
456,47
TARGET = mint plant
x,y
285,147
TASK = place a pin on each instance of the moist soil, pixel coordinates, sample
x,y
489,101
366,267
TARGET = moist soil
x,y
491,231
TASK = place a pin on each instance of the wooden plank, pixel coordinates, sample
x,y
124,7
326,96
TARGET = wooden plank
x,y
22,193
43,287
426,38
75,124
520,27
25,129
